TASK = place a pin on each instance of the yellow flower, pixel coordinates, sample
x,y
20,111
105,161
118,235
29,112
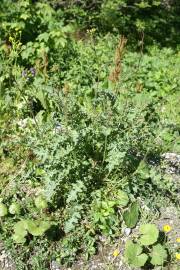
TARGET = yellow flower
x,y
167,228
178,240
116,252
178,256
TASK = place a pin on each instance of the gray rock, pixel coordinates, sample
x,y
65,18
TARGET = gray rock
x,y
55,265
171,163
127,231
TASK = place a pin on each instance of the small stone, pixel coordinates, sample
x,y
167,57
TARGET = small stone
x,y
55,265
127,231
102,238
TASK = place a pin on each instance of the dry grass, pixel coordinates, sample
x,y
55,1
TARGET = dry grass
x,y
115,73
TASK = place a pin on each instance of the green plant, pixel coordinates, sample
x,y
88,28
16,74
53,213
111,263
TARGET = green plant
x,y
3,210
15,208
23,227
105,212
134,255
149,234
131,216
40,202
146,247
81,155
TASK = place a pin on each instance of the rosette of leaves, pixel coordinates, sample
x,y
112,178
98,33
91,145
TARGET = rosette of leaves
x,y
104,217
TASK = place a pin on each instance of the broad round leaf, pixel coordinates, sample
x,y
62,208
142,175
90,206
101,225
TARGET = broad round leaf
x,y
40,203
3,210
149,233
131,216
20,228
123,198
37,228
133,254
19,239
14,209
158,255
140,260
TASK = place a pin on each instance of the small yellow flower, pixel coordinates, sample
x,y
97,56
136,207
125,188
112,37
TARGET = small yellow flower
x,y
178,256
178,240
167,228
116,252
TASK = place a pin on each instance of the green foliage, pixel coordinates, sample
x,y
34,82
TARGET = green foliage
x,y
80,155
15,208
20,231
131,216
3,210
127,17
122,198
104,215
137,255
37,228
134,255
158,255
40,202
149,233
23,227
